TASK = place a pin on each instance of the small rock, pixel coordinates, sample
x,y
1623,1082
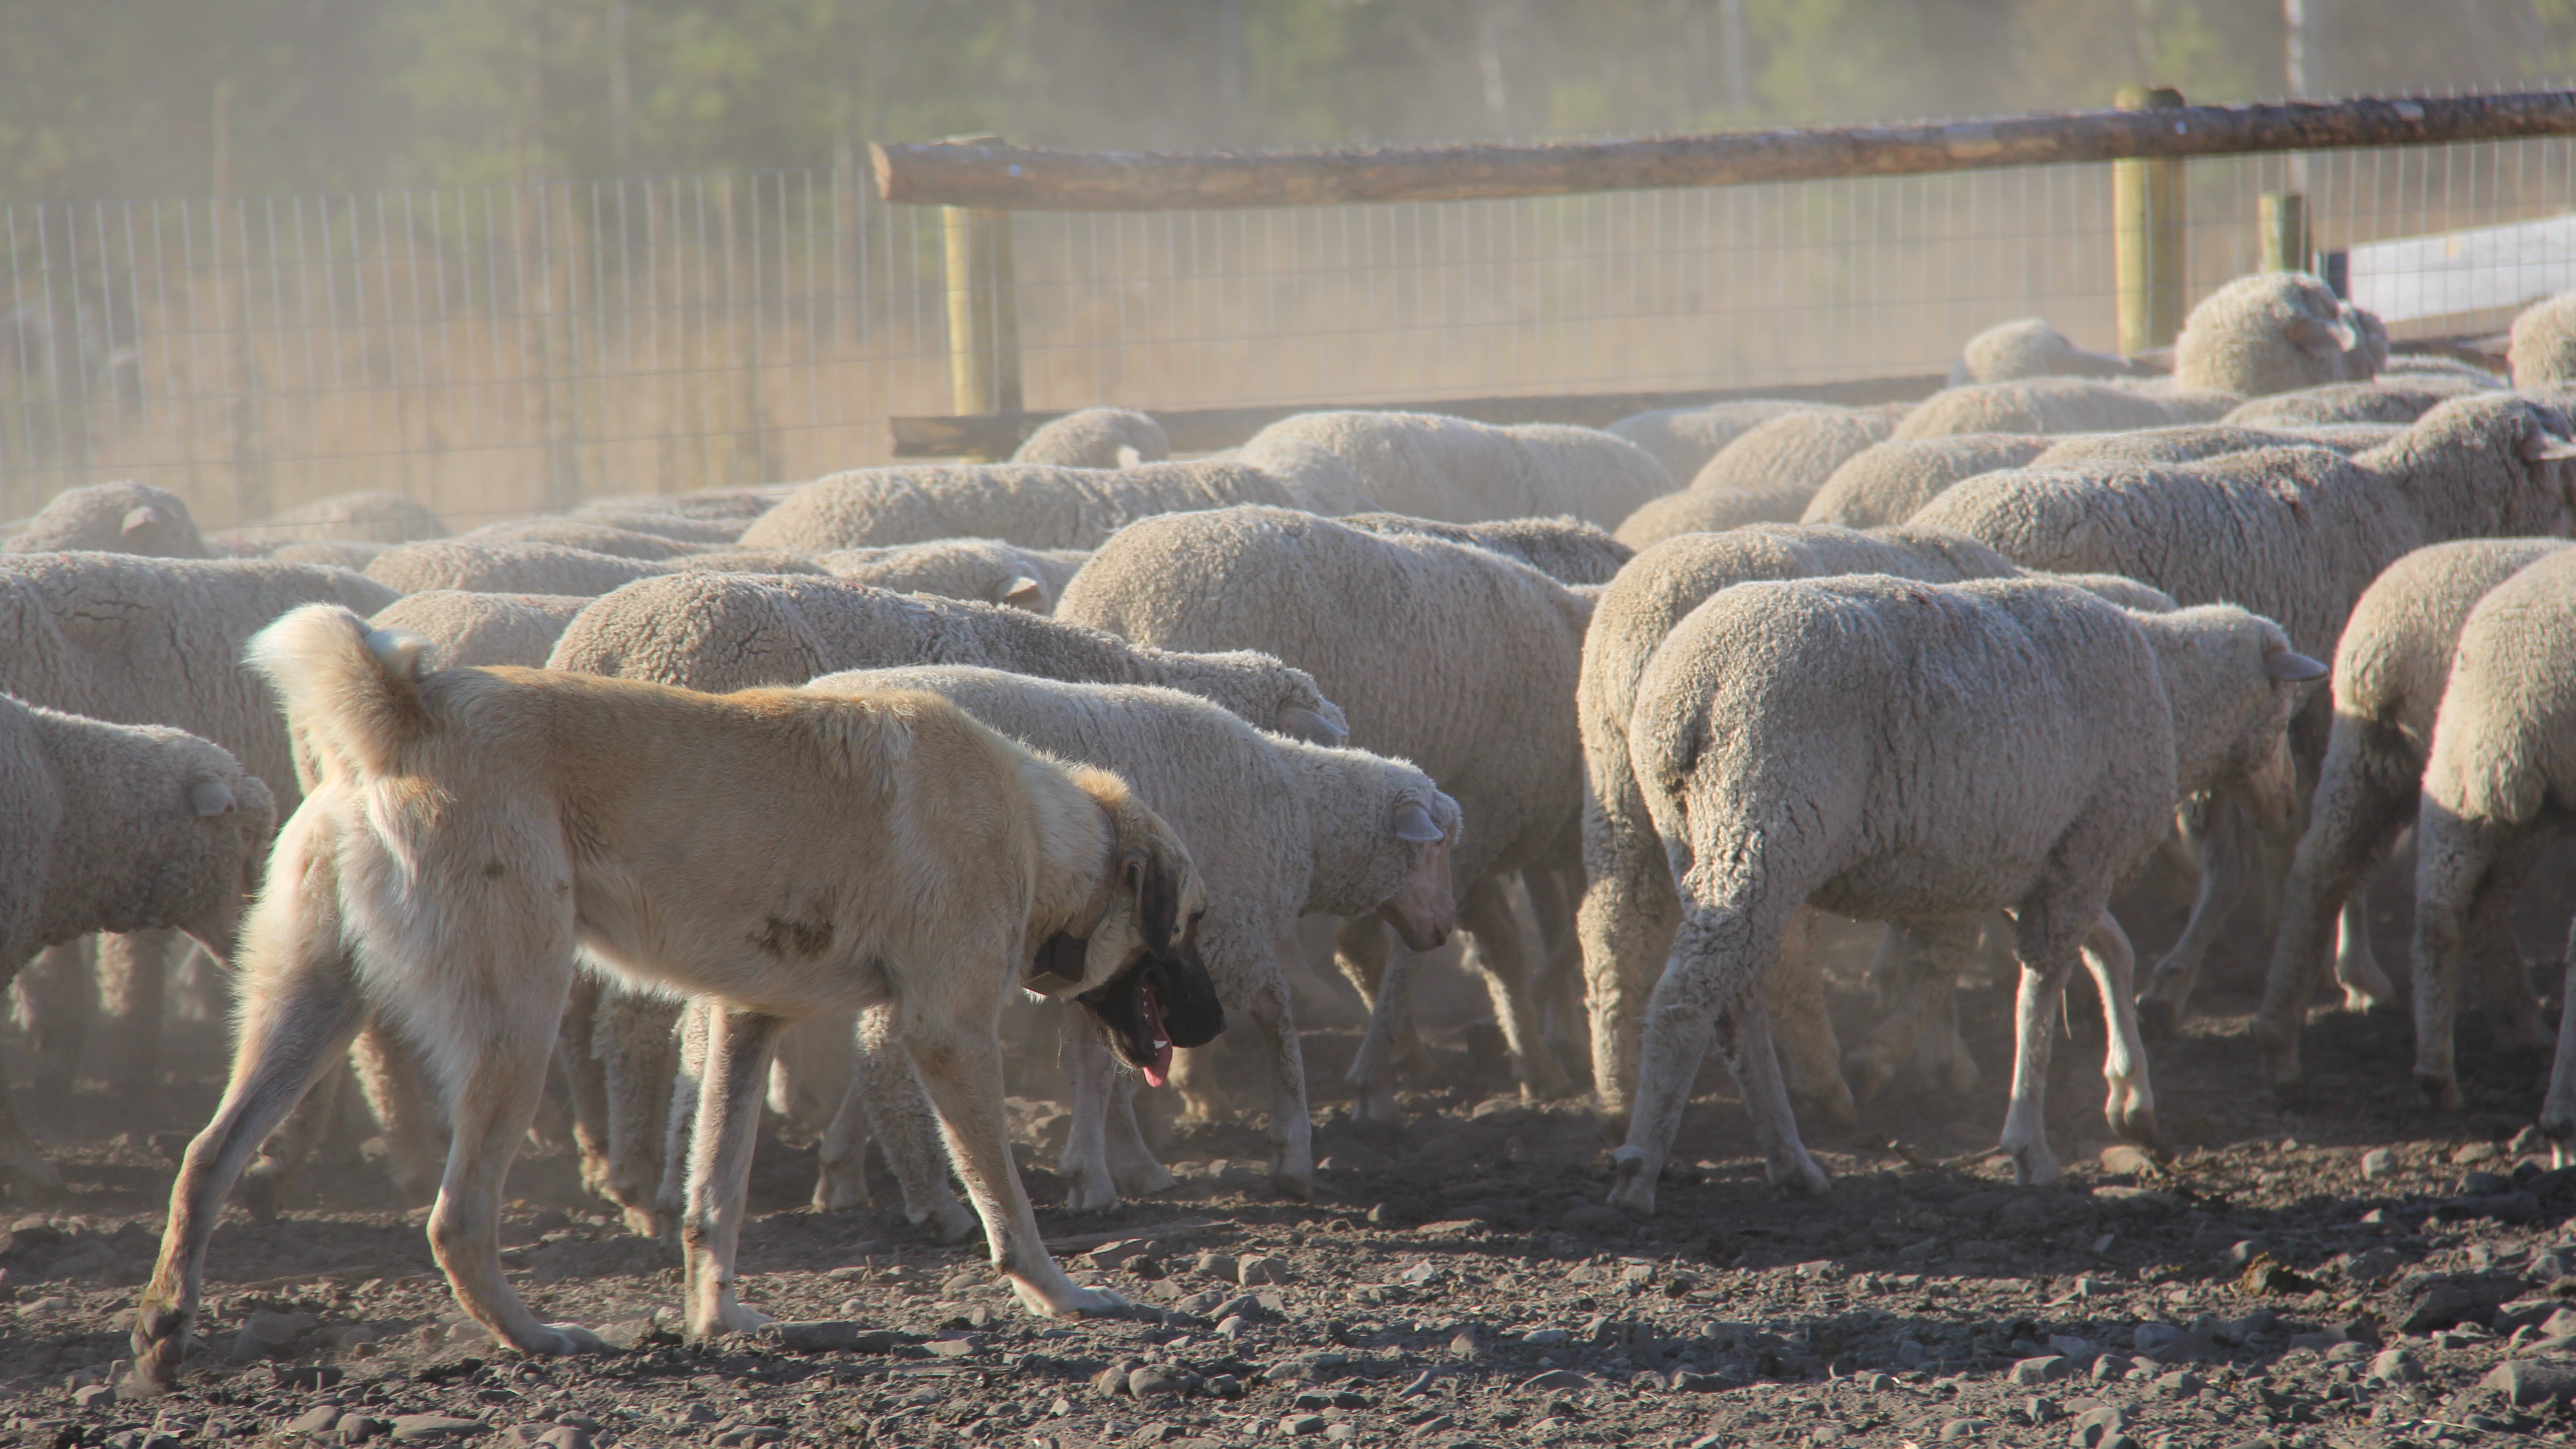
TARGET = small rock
x,y
263,1334
1232,1326
1420,1273
1110,1382
2528,1140
1546,1337
2475,1152
2122,1160
1558,1380
2153,1337
1910,1354
314,1420
1269,1268
2395,1366
358,1429
2110,1368
2096,1427
2071,1346
2528,1382
1158,1381
1297,1424
92,1395
431,1428
2377,1163
2180,1384
1220,1265
2482,1184
2444,1302
565,1436
1470,1343
1222,1386
2047,1369
2040,1411
1958,1429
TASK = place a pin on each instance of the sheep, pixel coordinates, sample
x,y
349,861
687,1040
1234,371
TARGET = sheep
x,y
1900,751
116,827
337,553
128,517
1424,465
1886,482
590,535
1097,438
1033,505
1567,550
548,568
721,632
2542,349
983,569
736,506
349,518
2190,442
2336,402
2275,332
2494,782
2059,405
1684,439
1769,475
2391,668
1478,697
2446,377
676,527
1276,827
464,628
2010,351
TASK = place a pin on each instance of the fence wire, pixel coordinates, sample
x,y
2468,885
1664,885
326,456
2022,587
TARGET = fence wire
x,y
512,349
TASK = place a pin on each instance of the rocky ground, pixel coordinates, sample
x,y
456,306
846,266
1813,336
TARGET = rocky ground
x,y
2345,1269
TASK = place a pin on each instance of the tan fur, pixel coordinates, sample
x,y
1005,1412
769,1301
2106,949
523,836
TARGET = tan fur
x,y
782,852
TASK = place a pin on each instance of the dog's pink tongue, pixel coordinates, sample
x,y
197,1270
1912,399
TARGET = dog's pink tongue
x,y
1161,1070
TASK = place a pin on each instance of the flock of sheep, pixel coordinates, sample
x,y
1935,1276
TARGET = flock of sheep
x,y
1675,687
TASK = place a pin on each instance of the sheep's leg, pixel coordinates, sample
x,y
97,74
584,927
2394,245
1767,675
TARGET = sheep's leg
x,y
1502,956
730,1094
2220,836
1194,1080
587,1081
1292,1131
898,1115
2512,1008
19,1153
1918,990
1554,890
2365,796
57,997
679,1120
2050,934
406,1106
1132,1164
133,975
2454,859
1382,969
1793,997
298,1017
2356,965
634,1038
1089,1187
1626,925
2558,1107
2131,1110
1940,1053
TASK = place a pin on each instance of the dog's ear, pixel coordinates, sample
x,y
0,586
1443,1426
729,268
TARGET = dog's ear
x,y
1150,875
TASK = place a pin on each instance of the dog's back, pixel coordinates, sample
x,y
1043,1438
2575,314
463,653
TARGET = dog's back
x,y
771,847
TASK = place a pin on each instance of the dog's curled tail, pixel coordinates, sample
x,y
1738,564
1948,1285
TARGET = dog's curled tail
x,y
351,692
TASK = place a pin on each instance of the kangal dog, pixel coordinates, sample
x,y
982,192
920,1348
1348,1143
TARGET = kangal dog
x,y
782,852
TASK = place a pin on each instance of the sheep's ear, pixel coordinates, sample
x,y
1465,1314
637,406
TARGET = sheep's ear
x,y
2321,338
210,797
1411,822
1128,457
2499,346
2292,667
2542,446
1300,723
140,518
2154,359
1023,592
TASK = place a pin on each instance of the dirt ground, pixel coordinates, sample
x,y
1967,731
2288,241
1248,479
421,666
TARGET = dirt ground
x,y
2345,1269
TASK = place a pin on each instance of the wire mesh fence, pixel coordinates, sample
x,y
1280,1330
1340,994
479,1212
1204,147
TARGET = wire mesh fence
x,y
514,349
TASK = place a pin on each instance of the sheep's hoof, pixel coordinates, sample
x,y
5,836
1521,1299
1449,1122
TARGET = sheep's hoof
x,y
1867,1073
2034,1166
1299,1186
263,1190
1800,1177
2441,1090
2361,1000
2278,1045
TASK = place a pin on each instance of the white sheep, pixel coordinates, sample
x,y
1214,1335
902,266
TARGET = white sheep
x,y
372,517
464,628
1456,471
1567,550
1478,694
2542,349
2378,401
1033,505
1886,482
1278,828
1893,750
116,827
1684,439
983,569
1097,438
587,534
2029,347
125,517
2275,332
2390,670
2503,759
1766,476
549,568
2060,405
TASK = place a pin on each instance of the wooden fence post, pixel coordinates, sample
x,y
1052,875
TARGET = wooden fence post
x,y
2147,235
2284,226
983,307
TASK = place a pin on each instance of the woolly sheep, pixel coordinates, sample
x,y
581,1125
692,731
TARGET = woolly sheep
x,y
2391,669
1767,476
1886,482
2542,349
1567,550
984,569
547,568
2446,377
127,517
337,553
1479,697
1277,828
116,827
736,506
1424,465
1032,505
2191,442
2059,405
2338,402
1684,439
676,527
590,535
1097,438
2503,758
464,628
2274,332
349,518
1895,750
2010,351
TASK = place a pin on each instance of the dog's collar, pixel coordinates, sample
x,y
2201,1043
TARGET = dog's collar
x,y
1043,978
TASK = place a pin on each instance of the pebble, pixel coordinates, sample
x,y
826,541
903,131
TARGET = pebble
x,y
2095,1428
2377,1163
1298,1424
1269,1268
2122,1160
2047,1369
91,1395
2475,1152
432,1428
1958,1429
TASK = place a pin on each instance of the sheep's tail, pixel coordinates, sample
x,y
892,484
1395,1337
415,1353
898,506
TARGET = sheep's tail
x,y
352,692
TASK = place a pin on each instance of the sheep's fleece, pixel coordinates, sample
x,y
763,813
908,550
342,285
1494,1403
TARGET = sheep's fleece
x,y
984,569
1097,438
1567,550
128,517
1428,466
1684,439
468,629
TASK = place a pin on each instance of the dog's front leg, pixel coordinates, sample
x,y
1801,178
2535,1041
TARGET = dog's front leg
x,y
300,1011
730,1091
960,1062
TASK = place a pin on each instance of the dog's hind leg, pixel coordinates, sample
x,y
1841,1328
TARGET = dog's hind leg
x,y
960,1063
730,1095
301,1009
886,1096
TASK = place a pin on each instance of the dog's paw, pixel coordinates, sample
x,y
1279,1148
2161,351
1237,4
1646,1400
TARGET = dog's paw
x,y
570,1338
735,1318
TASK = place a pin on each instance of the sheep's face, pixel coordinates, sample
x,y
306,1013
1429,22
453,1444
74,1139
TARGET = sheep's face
x,y
229,819
1423,910
2264,781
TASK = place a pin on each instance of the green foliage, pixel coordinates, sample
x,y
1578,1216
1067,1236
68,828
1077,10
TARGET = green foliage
x,y
121,97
